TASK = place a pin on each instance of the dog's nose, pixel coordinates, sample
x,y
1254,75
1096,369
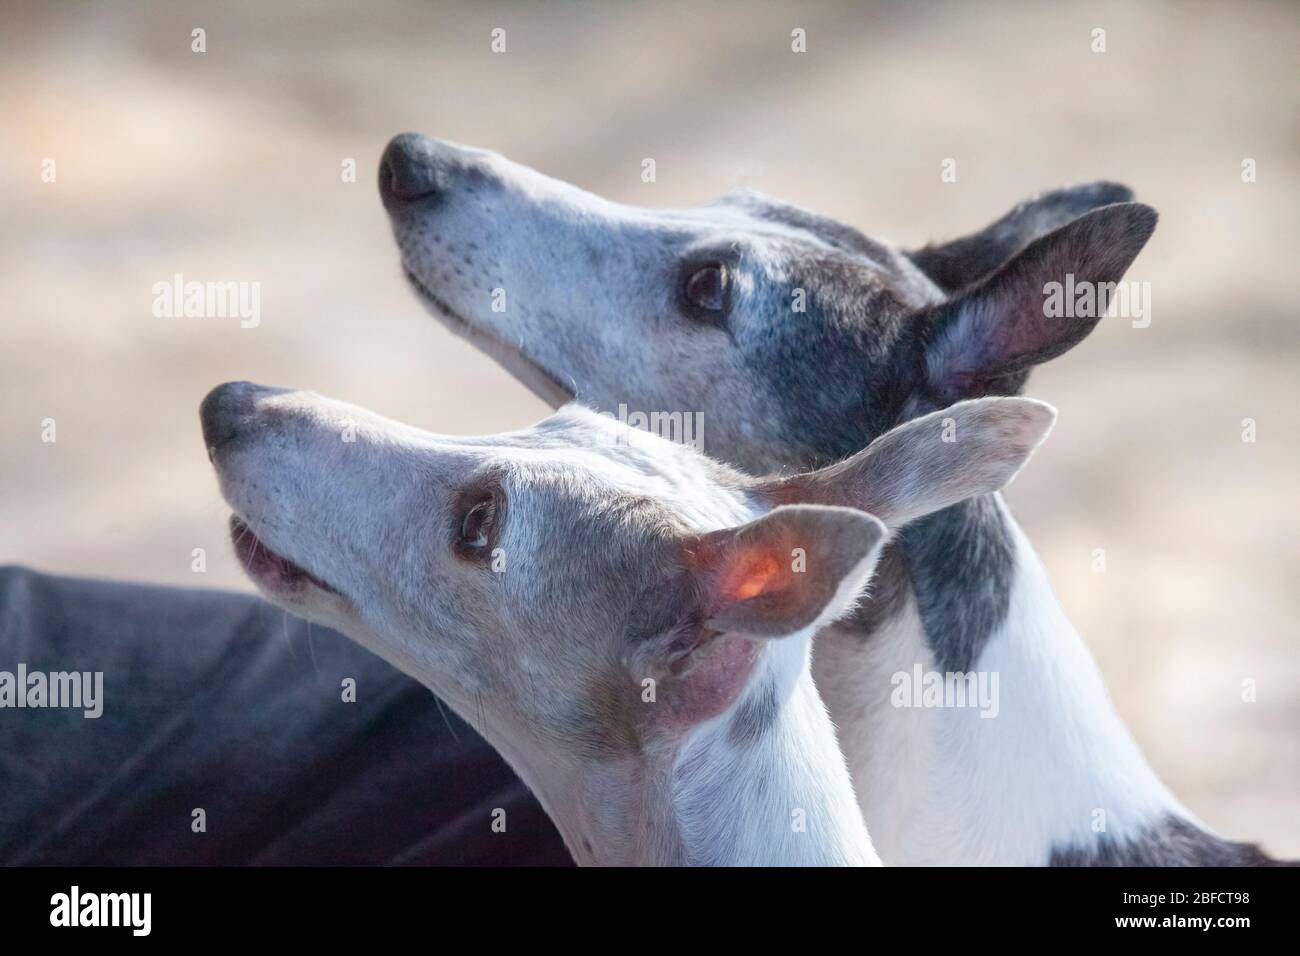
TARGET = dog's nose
x,y
226,410
413,167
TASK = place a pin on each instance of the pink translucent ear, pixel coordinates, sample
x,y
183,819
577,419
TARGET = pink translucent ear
x,y
984,340
794,568
791,571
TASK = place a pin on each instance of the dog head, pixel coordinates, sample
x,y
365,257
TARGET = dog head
x,y
543,581
797,338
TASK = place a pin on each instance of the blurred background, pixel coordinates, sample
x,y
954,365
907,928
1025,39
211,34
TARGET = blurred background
x,y
226,165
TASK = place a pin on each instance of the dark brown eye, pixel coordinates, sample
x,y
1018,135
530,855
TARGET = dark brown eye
x,y
476,527
706,287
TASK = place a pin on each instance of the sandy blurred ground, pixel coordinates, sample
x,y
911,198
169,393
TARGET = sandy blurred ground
x,y
226,165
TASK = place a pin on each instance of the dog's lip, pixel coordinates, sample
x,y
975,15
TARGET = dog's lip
x,y
268,567
535,377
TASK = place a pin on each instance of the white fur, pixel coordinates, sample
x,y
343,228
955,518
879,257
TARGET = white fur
x,y
743,811
945,786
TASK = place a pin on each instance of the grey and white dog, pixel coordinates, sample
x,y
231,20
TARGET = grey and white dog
x,y
627,621
800,340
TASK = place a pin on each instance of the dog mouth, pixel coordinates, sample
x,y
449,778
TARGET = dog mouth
x,y
539,380
268,568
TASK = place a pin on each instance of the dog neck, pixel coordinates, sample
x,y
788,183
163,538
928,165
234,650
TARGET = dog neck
x,y
1046,766
762,784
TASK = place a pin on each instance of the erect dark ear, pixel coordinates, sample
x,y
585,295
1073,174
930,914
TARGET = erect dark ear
x,y
985,340
794,568
955,265
929,463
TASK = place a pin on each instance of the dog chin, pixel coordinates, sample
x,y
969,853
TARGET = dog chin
x,y
534,377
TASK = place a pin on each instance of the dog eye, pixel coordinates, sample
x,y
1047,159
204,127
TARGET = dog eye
x,y
706,287
476,527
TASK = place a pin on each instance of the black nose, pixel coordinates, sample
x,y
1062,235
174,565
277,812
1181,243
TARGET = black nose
x,y
226,410
413,167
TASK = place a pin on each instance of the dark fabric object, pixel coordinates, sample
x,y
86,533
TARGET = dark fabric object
x,y
217,700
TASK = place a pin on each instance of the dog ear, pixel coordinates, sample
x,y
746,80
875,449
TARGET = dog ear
x,y
794,568
928,463
955,265
986,339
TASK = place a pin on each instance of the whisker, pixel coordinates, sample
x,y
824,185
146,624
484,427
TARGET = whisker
x,y
312,651
454,736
